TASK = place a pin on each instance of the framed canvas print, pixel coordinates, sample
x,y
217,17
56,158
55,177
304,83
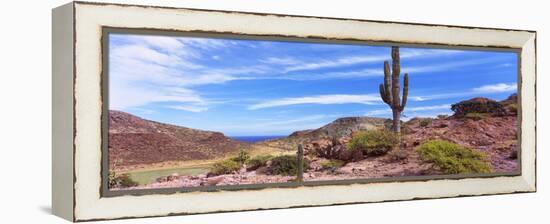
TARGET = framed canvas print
x,y
165,111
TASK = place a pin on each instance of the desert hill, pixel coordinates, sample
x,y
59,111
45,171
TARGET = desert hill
x,y
133,140
340,127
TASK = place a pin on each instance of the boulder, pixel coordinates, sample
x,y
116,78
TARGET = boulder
x,y
172,177
479,105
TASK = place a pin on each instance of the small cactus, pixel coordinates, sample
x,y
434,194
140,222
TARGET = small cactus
x,y
300,164
390,91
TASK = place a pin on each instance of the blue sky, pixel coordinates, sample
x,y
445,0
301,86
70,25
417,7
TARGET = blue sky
x,y
252,88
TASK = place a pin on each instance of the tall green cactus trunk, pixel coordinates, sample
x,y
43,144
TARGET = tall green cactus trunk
x,y
300,164
390,90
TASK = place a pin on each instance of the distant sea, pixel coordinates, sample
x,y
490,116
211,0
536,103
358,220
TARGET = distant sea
x,y
254,139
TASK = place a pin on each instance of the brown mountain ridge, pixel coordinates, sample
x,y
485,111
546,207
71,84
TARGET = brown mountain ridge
x,y
133,141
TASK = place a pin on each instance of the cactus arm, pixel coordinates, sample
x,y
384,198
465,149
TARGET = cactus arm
x,y
383,94
387,83
405,91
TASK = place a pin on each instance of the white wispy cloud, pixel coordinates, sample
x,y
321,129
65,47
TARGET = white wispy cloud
x,y
353,60
485,89
281,61
150,69
318,99
446,66
434,107
372,72
189,108
497,88
345,61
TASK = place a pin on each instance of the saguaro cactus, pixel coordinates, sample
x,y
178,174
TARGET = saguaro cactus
x,y
300,164
389,91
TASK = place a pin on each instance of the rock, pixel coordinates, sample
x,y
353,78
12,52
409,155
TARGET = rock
x,y
357,155
214,181
478,105
210,174
263,170
442,125
161,179
345,155
513,155
172,177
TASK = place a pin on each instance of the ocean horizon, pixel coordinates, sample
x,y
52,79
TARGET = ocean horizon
x,y
254,139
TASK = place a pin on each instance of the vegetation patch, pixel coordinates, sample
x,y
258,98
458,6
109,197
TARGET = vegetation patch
x,y
425,122
225,166
241,157
258,161
477,116
122,180
332,164
286,165
453,158
377,142
513,108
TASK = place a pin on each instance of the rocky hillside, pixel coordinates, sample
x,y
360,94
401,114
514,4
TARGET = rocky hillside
x,y
340,127
133,141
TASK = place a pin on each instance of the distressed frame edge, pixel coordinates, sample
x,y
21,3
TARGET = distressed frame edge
x,y
533,189
62,77
297,16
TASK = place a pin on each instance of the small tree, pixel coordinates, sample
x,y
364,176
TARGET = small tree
x,y
242,157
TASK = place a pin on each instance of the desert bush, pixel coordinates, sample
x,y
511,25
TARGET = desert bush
x,y
285,165
425,122
452,158
477,116
122,180
241,157
330,149
332,164
258,161
225,166
374,142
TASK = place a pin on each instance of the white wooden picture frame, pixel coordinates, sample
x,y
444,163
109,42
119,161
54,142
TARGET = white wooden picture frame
x,y
78,174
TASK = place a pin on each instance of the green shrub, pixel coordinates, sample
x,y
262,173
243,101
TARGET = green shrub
x,y
332,164
477,116
425,122
374,142
285,165
122,180
453,158
242,157
258,161
225,166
